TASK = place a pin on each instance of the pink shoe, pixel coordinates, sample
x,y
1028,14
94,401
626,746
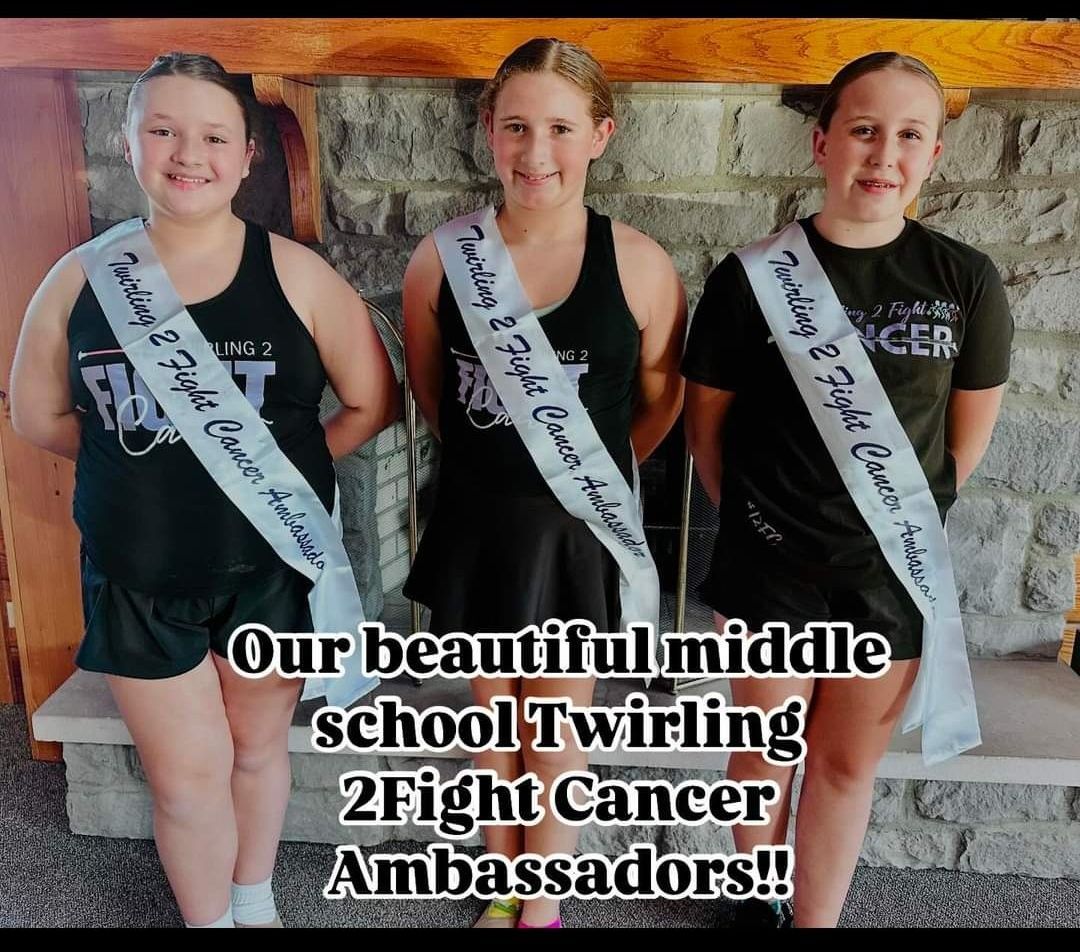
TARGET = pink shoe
x,y
555,923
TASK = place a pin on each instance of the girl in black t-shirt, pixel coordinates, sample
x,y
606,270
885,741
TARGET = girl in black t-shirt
x,y
173,569
792,547
500,552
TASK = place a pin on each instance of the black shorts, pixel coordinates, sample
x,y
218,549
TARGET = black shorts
x,y
760,594
500,563
136,635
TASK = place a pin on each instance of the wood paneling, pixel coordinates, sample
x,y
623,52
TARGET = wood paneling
x,y
46,213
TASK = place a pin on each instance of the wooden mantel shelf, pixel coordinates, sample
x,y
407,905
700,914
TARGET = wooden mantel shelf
x,y
964,53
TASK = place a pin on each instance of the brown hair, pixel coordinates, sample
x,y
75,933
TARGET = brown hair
x,y
872,63
194,66
568,60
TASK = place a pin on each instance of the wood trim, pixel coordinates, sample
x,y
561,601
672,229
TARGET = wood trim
x,y
1072,623
1072,616
46,214
292,103
956,101
8,692
964,53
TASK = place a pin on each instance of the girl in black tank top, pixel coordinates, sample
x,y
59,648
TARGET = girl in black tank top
x,y
138,485
597,341
499,552
170,566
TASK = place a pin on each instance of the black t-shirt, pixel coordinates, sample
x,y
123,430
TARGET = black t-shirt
x,y
151,517
933,317
597,341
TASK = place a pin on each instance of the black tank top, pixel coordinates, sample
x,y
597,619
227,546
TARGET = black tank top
x,y
151,517
597,341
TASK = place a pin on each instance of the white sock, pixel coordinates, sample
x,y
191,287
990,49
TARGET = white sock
x,y
225,922
253,905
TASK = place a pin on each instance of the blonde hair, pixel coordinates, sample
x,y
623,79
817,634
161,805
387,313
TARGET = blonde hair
x,y
568,60
872,63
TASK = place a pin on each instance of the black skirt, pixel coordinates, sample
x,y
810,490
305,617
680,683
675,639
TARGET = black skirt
x,y
500,563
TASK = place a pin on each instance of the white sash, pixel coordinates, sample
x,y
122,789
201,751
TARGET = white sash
x,y
227,436
880,470
543,405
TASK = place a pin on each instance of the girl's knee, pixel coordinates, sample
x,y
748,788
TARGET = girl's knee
x,y
259,737
253,757
746,765
551,763
257,745
183,791
842,766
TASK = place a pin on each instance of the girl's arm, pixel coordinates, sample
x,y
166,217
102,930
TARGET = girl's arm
x,y
42,409
352,353
423,343
969,423
657,300
706,414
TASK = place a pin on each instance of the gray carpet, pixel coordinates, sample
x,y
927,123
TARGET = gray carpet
x,y
50,877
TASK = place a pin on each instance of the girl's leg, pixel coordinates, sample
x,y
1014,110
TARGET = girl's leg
x,y
765,693
259,713
182,736
848,732
549,835
507,840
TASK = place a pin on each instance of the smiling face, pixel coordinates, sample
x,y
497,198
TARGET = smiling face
x,y
543,137
880,147
185,140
